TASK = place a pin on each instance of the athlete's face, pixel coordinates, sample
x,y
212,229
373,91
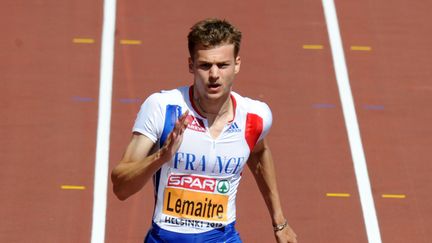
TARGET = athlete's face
x,y
214,70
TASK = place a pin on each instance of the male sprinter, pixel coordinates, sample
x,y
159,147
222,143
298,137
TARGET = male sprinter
x,y
194,142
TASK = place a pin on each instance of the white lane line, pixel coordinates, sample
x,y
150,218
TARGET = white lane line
x,y
360,167
104,121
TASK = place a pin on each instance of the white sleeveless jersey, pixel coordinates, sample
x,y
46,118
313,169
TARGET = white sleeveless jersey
x,y
196,191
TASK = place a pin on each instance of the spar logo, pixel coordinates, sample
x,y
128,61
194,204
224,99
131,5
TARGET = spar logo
x,y
194,182
223,186
199,183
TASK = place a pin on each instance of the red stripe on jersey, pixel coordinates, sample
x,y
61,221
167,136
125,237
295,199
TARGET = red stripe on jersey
x,y
234,103
254,127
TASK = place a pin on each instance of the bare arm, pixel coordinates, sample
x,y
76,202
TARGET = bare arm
x,y
262,167
137,166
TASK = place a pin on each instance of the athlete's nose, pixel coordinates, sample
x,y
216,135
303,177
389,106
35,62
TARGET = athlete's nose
x,y
214,72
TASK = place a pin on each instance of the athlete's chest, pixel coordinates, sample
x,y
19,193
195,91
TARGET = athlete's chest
x,y
200,152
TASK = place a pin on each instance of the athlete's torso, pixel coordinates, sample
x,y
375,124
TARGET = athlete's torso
x,y
196,191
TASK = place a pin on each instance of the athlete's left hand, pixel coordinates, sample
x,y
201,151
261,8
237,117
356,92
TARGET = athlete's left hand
x,y
287,235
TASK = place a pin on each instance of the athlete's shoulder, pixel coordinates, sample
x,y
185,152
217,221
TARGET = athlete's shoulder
x,y
150,118
172,96
172,93
251,105
258,109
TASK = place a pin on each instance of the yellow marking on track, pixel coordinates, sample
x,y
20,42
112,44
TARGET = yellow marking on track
x,y
83,40
338,194
313,47
130,42
71,187
361,48
394,196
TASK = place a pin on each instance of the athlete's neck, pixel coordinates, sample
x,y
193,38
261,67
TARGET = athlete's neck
x,y
214,109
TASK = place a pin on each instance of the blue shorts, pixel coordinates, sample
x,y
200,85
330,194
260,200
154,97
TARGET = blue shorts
x,y
227,234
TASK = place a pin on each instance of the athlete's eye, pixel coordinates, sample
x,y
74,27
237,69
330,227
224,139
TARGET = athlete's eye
x,y
205,66
223,65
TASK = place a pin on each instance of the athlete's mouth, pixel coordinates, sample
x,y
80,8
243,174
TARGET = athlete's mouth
x,y
213,86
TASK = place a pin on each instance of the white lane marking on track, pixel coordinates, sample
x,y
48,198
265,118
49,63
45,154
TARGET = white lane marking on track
x,y
360,166
104,121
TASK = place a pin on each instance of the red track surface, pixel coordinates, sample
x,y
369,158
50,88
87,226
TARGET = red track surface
x,y
49,89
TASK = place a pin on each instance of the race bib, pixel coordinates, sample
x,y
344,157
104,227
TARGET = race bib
x,y
196,197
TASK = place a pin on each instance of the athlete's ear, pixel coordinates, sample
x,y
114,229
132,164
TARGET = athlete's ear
x,y
237,64
190,61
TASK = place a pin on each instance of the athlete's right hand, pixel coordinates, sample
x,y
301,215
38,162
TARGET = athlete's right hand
x,y
175,138
286,235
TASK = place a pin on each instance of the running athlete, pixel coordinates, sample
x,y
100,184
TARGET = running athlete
x,y
194,142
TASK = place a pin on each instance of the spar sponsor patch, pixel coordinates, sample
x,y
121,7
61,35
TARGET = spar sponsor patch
x,y
194,182
195,205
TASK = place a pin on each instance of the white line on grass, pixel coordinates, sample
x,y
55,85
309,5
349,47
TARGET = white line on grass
x,y
360,167
104,121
